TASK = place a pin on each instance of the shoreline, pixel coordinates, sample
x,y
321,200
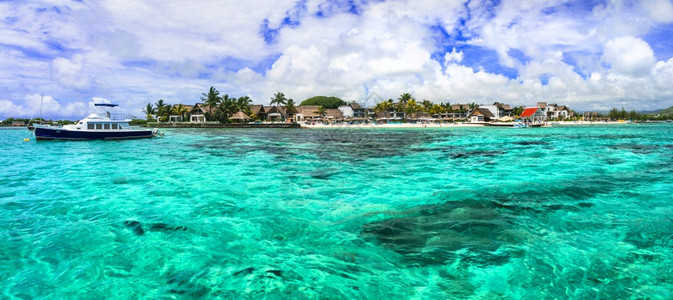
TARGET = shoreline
x,y
451,125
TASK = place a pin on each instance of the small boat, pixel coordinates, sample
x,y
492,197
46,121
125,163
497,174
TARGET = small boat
x,y
94,127
520,125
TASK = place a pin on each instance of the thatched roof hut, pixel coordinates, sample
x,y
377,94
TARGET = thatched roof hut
x,y
239,116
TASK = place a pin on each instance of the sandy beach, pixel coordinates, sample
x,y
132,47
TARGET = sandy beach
x,y
448,125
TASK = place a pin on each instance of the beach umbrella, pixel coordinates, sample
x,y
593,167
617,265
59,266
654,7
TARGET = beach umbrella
x,y
506,119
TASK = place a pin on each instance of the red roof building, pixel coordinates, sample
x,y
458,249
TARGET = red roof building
x,y
532,112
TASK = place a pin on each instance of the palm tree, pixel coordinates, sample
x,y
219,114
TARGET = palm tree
x,y
290,109
436,109
322,111
427,105
226,99
447,107
180,110
290,106
225,108
161,110
212,98
404,98
243,103
278,99
221,112
412,107
379,108
383,108
149,111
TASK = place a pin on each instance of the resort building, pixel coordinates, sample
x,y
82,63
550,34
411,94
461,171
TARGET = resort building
x,y
347,111
177,117
198,113
240,117
258,111
359,112
503,110
481,114
275,113
459,111
533,115
334,114
307,113
554,111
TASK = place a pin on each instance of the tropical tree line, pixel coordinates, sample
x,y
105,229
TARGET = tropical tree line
x,y
616,114
408,104
222,107
219,107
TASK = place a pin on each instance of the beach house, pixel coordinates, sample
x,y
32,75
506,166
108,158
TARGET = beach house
x,y
258,111
347,111
307,113
177,116
533,115
198,113
275,113
481,114
334,114
239,117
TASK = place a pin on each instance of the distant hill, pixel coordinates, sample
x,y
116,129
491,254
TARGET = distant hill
x,y
326,102
666,111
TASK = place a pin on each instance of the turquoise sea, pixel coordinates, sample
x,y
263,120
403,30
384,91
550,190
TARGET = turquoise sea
x,y
580,212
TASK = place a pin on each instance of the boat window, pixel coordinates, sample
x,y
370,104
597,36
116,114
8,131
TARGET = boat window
x,y
99,126
89,126
107,126
114,126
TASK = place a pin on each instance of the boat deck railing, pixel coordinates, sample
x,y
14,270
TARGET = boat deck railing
x,y
121,117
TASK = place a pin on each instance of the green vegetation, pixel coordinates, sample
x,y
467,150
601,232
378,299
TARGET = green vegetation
x,y
321,111
216,107
666,111
149,112
324,101
162,110
408,104
622,114
278,99
138,122
222,107
9,121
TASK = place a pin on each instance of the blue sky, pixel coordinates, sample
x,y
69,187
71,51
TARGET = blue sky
x,y
589,55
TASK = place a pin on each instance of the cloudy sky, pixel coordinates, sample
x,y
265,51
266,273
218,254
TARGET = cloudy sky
x,y
590,55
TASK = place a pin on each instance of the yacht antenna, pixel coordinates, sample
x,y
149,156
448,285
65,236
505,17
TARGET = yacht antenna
x,y
41,100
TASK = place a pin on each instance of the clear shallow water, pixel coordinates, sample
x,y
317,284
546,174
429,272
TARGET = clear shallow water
x,y
563,212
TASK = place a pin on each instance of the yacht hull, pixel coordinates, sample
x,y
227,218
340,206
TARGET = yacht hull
x,y
42,133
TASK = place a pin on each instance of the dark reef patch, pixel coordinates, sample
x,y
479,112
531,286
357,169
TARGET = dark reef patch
x,y
477,153
244,272
138,229
635,148
528,143
437,233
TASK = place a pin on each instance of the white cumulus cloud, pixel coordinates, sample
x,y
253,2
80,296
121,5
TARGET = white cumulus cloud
x,y
629,56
